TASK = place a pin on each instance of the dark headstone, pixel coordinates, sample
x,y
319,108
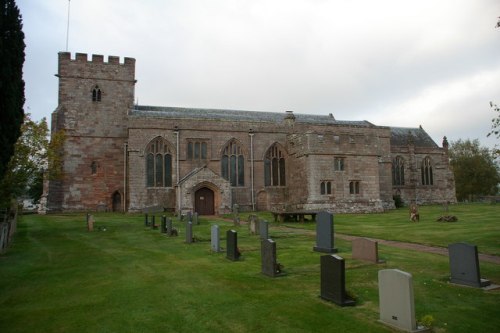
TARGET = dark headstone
x,y
324,233
189,232
232,252
153,223
263,229
163,228
270,265
365,249
333,280
464,265
146,220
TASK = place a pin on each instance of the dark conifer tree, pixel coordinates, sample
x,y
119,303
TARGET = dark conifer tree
x,y
11,80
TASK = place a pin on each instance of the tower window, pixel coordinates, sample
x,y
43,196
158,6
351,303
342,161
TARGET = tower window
x,y
96,94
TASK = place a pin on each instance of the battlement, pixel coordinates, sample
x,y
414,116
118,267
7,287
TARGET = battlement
x,y
65,57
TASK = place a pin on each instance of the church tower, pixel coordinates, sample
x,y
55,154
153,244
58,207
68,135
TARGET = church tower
x,y
94,100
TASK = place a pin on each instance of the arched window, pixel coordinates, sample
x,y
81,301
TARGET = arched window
x,y
426,170
158,164
274,167
96,94
233,164
398,171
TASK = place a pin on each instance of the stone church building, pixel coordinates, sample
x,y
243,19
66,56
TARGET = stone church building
x,y
119,156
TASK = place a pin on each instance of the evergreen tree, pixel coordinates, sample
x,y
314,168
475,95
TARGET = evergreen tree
x,y
11,80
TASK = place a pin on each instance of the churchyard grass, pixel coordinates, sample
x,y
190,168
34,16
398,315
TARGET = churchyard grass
x,y
57,277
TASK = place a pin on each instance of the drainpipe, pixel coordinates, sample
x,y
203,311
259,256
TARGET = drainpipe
x,y
252,168
177,172
125,162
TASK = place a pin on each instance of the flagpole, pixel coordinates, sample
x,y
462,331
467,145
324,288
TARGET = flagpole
x,y
67,27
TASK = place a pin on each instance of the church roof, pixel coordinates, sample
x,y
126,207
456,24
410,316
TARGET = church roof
x,y
239,115
401,135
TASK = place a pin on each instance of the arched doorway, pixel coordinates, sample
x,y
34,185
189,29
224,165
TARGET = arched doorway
x,y
117,202
204,201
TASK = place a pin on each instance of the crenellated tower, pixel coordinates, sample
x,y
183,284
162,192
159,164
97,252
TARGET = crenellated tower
x,y
95,97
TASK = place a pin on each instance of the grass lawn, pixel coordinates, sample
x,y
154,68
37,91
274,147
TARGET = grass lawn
x,y
57,277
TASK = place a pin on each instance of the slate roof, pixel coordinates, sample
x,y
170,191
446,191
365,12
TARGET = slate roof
x,y
238,115
399,137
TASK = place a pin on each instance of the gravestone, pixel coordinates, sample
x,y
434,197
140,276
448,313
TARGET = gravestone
x,y
189,216
153,223
170,230
189,232
146,220
163,228
253,224
365,249
333,280
397,308
195,219
269,263
263,229
236,214
215,238
232,252
464,265
324,233
90,222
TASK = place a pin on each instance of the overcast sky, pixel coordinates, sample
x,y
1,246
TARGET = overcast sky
x,y
434,63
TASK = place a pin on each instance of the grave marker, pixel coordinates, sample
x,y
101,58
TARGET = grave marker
x,y
215,238
253,224
232,252
90,222
163,228
464,265
269,263
324,233
189,232
365,249
397,308
333,280
195,219
263,229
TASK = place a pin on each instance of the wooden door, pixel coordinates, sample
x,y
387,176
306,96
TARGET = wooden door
x,y
117,202
204,201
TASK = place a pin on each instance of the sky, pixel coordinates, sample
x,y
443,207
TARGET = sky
x,y
390,62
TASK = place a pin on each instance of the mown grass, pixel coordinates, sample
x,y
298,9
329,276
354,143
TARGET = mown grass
x,y
57,277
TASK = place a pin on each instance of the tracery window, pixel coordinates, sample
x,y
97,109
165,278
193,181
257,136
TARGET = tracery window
x,y
398,171
426,170
233,164
274,167
158,163
96,94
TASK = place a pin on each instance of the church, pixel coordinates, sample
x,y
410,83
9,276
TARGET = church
x,y
120,156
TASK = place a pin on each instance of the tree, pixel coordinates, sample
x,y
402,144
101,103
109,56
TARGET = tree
x,y
11,80
24,174
495,126
475,170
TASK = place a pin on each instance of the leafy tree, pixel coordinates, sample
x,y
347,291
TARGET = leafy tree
x,y
475,170
24,174
11,80
495,126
